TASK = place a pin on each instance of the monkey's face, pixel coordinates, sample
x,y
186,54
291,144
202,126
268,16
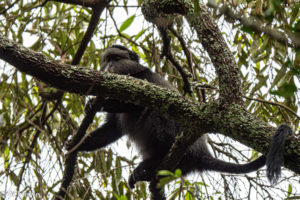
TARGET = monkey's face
x,y
119,60
111,57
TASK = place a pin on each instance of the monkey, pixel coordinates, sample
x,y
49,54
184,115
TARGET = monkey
x,y
154,133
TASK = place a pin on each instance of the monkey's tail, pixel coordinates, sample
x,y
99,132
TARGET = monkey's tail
x,y
70,164
219,165
276,153
273,160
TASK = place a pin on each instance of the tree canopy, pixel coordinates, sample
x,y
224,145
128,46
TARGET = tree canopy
x,y
235,64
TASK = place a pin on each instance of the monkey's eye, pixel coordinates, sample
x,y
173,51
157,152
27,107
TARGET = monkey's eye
x,y
113,58
117,58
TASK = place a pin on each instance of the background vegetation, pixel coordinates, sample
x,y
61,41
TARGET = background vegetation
x,y
36,120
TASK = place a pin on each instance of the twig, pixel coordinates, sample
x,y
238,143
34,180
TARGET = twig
x,y
274,103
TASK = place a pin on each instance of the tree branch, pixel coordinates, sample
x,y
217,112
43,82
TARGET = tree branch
x,y
210,37
97,10
198,118
86,3
284,37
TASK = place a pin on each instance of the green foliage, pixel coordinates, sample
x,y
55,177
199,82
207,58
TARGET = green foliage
x,y
34,128
127,23
196,7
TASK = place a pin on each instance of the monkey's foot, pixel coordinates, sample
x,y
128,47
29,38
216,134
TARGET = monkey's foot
x,y
69,145
89,106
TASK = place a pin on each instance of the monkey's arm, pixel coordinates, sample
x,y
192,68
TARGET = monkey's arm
x,y
112,106
109,132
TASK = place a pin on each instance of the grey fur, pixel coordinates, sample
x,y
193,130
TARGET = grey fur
x,y
154,133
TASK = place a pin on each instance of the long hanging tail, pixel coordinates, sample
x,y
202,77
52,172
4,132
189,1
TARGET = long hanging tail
x,y
215,164
276,152
273,160
70,165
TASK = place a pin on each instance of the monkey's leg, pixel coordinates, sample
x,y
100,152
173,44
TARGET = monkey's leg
x,y
144,171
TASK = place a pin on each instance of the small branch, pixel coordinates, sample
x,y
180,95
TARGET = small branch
x,y
211,39
284,37
97,11
125,37
41,122
202,96
123,6
85,3
9,7
183,74
166,51
275,104
80,136
184,47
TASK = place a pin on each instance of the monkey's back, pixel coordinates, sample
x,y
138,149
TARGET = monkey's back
x,y
154,133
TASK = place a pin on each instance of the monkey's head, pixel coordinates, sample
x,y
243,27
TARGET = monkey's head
x,y
120,60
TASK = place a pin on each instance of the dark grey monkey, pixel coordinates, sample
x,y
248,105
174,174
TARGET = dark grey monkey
x,y
154,133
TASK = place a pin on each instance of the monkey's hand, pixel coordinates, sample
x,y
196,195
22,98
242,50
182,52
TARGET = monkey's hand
x,y
131,181
139,174
89,106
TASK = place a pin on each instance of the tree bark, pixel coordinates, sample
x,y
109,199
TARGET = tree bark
x,y
198,118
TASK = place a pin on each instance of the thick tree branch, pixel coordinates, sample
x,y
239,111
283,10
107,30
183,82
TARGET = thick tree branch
x,y
210,37
85,81
199,118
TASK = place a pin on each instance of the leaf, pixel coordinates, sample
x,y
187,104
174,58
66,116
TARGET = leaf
x,y
247,29
127,23
290,190
287,77
165,180
260,84
140,2
36,46
276,4
118,170
165,173
196,7
294,197
15,179
287,90
178,172
140,34
280,73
